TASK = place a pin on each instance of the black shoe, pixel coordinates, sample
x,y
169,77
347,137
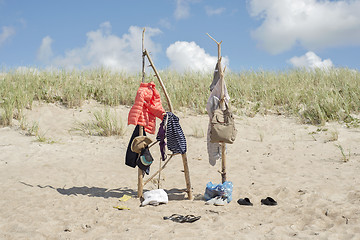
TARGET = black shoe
x,y
244,201
268,201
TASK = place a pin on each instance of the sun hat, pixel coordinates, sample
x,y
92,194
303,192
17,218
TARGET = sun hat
x,y
139,143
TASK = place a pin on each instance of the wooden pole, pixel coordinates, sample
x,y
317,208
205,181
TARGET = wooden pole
x,y
143,56
141,128
167,99
222,106
158,171
140,172
184,158
187,176
160,81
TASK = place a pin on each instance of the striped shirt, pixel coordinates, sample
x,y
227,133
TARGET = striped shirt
x,y
176,141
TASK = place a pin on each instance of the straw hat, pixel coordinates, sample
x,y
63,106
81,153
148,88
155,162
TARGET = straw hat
x,y
139,143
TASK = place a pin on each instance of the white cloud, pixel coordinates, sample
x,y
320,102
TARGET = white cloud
x,y
182,10
313,24
45,51
105,49
6,33
211,11
188,56
312,61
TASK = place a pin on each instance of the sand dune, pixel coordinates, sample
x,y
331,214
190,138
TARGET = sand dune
x,y
67,189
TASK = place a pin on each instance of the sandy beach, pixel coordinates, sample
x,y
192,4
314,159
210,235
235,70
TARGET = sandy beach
x,y
67,189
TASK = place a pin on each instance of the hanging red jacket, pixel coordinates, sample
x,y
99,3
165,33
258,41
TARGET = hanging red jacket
x,y
146,108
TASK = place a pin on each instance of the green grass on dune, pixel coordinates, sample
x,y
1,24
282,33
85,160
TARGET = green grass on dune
x,y
315,96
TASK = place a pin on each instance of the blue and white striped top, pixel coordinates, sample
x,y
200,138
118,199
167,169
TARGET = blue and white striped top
x,y
176,141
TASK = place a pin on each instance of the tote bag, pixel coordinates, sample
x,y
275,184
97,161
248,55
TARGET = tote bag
x,y
223,126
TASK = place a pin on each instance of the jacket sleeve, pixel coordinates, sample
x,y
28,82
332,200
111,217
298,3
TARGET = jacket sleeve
x,y
136,109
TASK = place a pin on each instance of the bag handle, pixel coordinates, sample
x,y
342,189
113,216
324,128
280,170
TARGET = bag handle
x,y
226,104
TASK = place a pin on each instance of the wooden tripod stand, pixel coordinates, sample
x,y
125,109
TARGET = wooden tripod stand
x,y
141,184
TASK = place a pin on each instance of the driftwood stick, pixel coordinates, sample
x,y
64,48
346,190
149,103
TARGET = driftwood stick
x,y
219,46
158,171
212,38
187,176
223,145
145,53
218,43
160,81
223,163
186,168
221,71
159,177
143,57
141,128
184,158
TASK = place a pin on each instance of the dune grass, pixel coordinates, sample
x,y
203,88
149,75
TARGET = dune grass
x,y
104,123
314,96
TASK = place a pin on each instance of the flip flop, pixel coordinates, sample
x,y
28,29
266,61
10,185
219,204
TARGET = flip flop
x,y
121,207
182,219
268,201
244,201
124,198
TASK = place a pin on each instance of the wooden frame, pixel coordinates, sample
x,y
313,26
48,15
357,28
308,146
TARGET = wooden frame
x,y
141,184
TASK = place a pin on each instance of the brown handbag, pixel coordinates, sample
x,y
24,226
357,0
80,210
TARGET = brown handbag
x,y
223,126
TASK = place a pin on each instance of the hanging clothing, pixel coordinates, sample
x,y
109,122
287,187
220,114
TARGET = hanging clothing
x,y
161,138
176,141
131,158
214,149
146,108
174,134
216,77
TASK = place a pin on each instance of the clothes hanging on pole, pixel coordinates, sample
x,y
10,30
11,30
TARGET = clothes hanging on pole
x,y
174,134
176,141
161,135
146,108
214,149
132,158
216,90
216,77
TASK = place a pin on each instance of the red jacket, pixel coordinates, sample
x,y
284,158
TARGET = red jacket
x,y
146,108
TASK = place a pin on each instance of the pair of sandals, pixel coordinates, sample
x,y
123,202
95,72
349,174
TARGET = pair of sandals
x,y
182,219
269,201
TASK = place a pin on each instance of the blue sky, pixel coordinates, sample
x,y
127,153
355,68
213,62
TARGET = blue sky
x,y
255,34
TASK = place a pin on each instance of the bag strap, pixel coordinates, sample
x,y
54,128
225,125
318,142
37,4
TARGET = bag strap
x,y
226,104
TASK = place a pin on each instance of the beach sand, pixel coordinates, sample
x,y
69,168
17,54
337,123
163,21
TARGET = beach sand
x,y
67,188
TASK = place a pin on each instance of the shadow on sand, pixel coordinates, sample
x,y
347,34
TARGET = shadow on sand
x,y
174,194
91,191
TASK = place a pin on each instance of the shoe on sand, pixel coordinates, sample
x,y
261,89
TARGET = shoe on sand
x,y
217,201
268,201
244,201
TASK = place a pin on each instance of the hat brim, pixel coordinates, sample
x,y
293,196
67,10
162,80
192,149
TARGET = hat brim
x,y
139,143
